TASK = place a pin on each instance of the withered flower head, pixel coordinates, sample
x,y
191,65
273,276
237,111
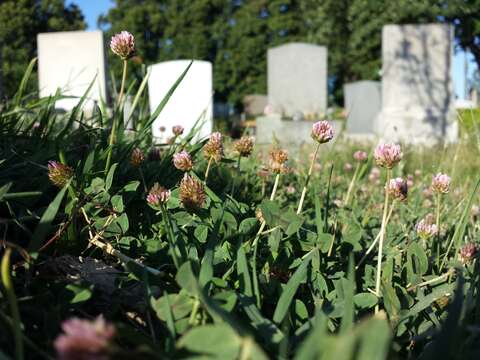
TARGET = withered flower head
x,y
213,149
58,173
244,146
278,160
192,193
137,158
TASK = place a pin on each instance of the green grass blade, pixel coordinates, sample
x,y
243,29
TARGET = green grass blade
x,y
46,220
290,289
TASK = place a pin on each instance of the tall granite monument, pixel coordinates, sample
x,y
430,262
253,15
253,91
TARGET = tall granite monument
x,y
417,89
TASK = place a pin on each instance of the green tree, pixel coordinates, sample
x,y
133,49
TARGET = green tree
x,y
233,34
21,21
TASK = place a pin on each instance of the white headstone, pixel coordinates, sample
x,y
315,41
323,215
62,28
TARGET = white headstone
x,y
297,79
191,101
69,61
417,89
363,101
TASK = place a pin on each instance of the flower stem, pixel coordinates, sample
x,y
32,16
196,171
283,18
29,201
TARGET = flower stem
x,y
352,183
233,179
382,237
114,119
208,170
369,250
437,223
122,85
307,180
256,289
170,236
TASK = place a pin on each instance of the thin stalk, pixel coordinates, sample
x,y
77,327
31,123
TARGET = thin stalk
x,y
275,186
233,179
122,85
12,300
382,237
170,236
110,250
193,314
369,250
208,170
352,183
307,180
256,289
114,119
437,223
142,177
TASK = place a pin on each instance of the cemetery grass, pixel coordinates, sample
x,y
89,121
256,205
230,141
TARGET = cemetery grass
x,y
180,282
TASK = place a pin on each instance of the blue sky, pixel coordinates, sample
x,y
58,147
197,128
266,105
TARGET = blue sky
x,y
93,8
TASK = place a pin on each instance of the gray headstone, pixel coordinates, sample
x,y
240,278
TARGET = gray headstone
x,y
297,79
363,103
417,89
69,61
287,132
254,104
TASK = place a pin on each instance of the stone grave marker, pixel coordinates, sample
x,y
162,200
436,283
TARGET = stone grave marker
x,y
191,101
254,104
362,103
417,89
69,61
297,79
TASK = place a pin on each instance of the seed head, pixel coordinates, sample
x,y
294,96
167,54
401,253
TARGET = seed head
x,y
426,228
123,45
213,149
387,155
468,253
137,158
183,161
475,211
259,215
84,339
58,173
398,188
177,130
441,183
192,193
277,161
158,195
244,146
322,132
360,156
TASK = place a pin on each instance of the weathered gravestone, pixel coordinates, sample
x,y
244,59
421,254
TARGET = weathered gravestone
x,y
297,79
287,132
417,90
190,104
70,61
363,100
254,104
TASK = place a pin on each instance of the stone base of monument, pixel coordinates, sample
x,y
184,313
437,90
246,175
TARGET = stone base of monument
x,y
417,126
272,128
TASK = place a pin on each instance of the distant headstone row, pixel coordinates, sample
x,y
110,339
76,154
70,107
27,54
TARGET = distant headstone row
x,y
413,102
417,102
